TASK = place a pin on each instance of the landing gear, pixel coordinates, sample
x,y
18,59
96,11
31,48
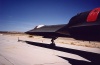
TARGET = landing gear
x,y
53,43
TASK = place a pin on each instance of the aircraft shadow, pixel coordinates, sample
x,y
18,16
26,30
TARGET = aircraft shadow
x,y
93,57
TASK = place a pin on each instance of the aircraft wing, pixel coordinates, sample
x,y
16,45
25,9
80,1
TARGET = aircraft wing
x,y
50,31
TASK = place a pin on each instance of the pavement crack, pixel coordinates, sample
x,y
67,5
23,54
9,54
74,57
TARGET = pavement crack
x,y
48,63
6,59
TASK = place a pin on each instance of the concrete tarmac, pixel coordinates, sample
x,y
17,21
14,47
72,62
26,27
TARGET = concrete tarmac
x,y
35,52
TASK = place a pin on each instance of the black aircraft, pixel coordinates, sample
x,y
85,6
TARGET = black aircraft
x,y
83,26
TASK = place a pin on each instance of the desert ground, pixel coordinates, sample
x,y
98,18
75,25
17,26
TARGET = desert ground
x,y
35,50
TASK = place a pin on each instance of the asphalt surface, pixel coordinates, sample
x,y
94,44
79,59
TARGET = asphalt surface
x,y
25,52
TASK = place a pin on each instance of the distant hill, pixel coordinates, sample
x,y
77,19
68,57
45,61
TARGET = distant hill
x,y
11,32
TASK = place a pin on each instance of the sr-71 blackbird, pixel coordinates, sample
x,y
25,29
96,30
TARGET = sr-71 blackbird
x,y
83,26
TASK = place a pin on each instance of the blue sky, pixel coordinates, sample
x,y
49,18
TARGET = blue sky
x,y
23,15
